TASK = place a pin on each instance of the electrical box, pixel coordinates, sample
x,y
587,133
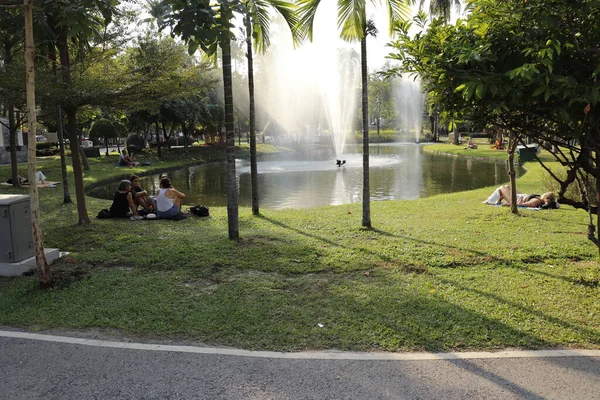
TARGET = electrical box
x,y
16,237
527,153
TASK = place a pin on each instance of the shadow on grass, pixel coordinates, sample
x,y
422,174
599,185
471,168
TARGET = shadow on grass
x,y
383,233
590,334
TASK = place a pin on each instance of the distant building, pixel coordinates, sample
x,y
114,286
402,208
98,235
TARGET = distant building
x,y
5,144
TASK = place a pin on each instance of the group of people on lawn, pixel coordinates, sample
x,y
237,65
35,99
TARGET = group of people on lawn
x,y
130,196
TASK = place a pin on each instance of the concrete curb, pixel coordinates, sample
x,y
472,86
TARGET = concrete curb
x,y
305,355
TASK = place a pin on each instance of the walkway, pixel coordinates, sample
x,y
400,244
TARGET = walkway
x,y
59,367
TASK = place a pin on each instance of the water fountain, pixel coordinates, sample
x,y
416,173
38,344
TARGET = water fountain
x,y
408,98
311,91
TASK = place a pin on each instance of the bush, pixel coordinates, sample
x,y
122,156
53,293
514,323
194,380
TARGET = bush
x,y
135,143
44,145
181,142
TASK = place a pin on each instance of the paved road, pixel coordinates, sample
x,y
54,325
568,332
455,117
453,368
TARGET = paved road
x,y
43,369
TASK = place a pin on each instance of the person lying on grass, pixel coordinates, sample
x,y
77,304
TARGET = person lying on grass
x,y
169,200
546,200
122,205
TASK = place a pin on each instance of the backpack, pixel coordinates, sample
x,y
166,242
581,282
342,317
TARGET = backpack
x,y
199,210
104,213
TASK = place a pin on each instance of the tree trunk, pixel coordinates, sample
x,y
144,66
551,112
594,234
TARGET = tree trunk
x,y
598,194
253,158
158,147
232,189
45,276
12,129
456,140
74,144
84,160
366,208
512,144
63,162
83,218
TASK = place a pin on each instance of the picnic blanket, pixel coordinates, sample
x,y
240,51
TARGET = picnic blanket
x,y
521,207
46,184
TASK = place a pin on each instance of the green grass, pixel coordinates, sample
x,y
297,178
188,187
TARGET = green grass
x,y
436,274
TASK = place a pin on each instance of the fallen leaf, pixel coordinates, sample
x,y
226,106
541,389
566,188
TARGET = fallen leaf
x,y
524,286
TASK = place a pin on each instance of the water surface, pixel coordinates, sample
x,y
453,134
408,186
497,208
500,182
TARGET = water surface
x,y
312,179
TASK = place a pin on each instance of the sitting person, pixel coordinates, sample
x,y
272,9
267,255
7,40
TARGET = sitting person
x,y
471,144
124,159
122,205
140,196
134,163
169,200
546,200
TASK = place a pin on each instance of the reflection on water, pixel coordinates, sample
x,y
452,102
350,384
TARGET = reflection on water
x,y
397,171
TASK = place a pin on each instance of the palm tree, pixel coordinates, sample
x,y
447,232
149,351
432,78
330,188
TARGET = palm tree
x,y
441,8
352,20
209,26
256,21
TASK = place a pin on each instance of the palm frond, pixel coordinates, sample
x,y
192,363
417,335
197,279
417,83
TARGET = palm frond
x,y
352,19
398,10
306,17
441,8
288,11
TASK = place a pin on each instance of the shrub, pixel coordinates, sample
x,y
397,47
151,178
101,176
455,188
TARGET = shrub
x,y
135,143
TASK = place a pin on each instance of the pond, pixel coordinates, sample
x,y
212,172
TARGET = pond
x,y
397,171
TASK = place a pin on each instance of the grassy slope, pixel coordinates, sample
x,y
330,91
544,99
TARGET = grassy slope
x,y
439,273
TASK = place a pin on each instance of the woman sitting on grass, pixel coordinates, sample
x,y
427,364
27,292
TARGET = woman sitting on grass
x,y
169,200
122,205
546,200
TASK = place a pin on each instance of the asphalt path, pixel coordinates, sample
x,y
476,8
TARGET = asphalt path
x,y
57,367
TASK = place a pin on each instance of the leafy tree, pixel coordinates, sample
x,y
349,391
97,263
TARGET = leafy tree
x,y
381,100
75,24
11,37
528,68
103,129
352,19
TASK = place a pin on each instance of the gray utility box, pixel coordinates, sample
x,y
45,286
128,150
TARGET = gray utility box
x,y
16,237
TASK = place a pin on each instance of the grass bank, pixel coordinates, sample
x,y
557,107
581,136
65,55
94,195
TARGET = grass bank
x,y
437,274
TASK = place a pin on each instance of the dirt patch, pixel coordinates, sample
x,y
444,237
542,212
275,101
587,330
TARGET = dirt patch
x,y
257,241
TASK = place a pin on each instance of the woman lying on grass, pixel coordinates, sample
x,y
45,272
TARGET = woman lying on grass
x,y
546,200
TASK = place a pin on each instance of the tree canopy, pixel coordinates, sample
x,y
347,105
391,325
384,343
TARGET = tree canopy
x,y
527,67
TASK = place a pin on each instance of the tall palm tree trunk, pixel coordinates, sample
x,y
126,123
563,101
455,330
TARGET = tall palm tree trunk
x,y
253,161
44,274
232,189
366,215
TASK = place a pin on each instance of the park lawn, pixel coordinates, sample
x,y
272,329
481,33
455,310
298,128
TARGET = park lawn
x,y
436,274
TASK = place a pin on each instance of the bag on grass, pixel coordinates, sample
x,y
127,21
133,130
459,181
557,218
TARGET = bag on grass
x,y
104,213
200,210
